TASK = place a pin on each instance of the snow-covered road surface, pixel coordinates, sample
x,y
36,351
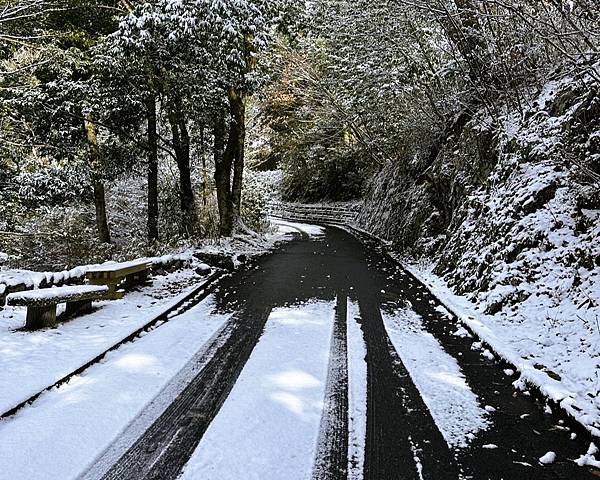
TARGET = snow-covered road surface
x,y
323,361
284,379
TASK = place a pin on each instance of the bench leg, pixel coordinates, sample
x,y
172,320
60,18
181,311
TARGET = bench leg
x,y
40,317
113,292
135,279
79,307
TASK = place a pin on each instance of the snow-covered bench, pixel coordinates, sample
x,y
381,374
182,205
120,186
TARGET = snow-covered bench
x,y
114,275
41,304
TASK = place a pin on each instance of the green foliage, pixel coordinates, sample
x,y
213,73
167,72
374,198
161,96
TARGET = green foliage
x,y
398,78
255,199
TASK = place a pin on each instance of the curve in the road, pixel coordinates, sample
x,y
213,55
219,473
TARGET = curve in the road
x,y
402,440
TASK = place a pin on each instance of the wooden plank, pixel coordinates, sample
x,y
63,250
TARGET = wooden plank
x,y
52,296
115,270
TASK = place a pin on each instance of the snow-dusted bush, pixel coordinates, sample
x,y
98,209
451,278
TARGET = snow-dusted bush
x,y
53,184
255,198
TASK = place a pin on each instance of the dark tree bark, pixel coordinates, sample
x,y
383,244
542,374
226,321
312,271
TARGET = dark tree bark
x,y
152,170
99,195
223,158
229,190
204,176
181,145
237,134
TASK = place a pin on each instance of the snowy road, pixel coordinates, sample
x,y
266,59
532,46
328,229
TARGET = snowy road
x,y
324,361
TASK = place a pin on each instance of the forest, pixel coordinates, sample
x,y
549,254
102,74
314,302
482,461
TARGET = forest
x,y
291,239
126,126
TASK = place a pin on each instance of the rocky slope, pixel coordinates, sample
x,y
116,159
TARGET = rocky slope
x,y
508,212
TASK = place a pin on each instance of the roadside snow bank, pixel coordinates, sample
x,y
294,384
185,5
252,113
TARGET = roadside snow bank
x,y
561,363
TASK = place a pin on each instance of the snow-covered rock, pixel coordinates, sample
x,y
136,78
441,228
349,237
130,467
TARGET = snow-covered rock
x,y
548,458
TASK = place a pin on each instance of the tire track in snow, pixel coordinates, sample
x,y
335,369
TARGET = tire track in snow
x,y
332,449
395,411
438,377
268,427
167,445
158,406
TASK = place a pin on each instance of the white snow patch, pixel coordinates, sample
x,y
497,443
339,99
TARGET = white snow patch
x,y
462,332
441,309
418,464
269,425
53,292
357,394
453,406
548,458
589,458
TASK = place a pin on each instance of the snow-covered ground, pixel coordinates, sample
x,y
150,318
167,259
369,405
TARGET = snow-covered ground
x,y
269,424
453,406
89,412
556,359
32,361
524,251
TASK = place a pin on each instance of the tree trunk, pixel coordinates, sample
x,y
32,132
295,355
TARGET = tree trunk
x,y
237,134
99,196
152,170
181,145
204,176
229,191
223,159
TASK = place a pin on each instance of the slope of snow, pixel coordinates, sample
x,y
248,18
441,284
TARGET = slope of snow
x,y
62,433
453,406
269,425
523,250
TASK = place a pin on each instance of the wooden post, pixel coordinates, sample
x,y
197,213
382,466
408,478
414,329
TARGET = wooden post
x,y
78,307
40,317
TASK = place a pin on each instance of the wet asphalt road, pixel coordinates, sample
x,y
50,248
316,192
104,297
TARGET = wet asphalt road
x,y
332,268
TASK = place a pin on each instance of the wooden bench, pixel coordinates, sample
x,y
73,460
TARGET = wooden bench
x,y
117,275
41,304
